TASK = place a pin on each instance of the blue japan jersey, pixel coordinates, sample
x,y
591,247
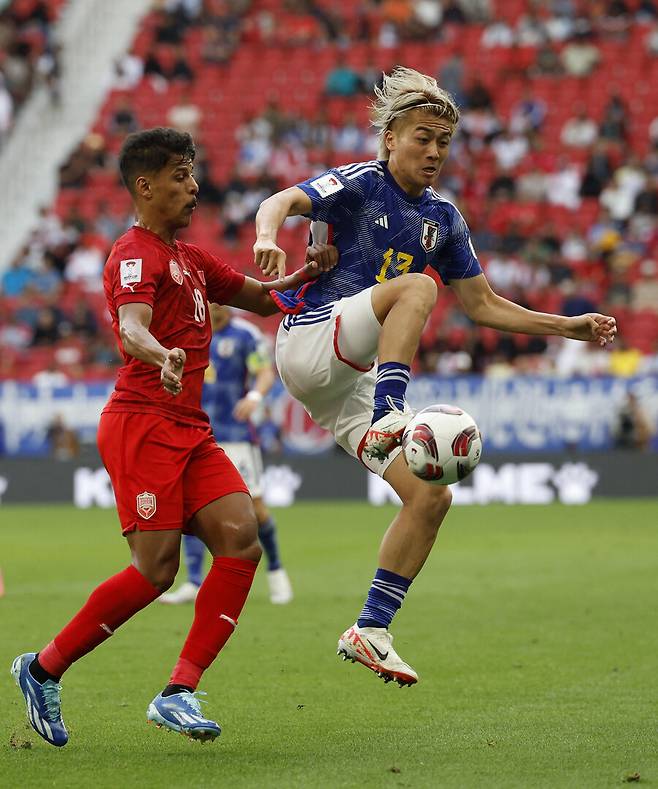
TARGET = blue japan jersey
x,y
381,233
236,353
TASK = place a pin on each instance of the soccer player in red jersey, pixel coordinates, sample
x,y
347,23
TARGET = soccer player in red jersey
x,y
169,474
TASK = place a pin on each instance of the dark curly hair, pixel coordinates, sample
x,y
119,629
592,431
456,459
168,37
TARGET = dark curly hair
x,y
149,151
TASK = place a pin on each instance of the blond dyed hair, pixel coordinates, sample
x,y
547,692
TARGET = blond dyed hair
x,y
406,89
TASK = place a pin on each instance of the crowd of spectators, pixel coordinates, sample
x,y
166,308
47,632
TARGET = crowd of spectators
x,y
28,54
53,316
565,219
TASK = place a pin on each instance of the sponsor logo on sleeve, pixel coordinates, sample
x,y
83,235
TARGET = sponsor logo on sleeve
x,y
429,235
146,505
327,185
176,272
130,272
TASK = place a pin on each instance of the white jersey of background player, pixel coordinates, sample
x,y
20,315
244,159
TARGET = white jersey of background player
x,y
388,224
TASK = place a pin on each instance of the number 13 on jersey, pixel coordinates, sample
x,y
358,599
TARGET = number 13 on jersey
x,y
403,263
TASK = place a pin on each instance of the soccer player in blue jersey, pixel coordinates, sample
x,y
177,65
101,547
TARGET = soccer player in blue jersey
x,y
239,375
346,345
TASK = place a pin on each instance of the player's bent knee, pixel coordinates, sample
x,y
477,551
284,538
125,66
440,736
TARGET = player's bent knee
x,y
240,540
253,553
423,288
433,501
415,292
441,501
162,576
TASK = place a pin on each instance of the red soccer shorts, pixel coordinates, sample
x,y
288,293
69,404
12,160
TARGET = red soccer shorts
x,y
162,471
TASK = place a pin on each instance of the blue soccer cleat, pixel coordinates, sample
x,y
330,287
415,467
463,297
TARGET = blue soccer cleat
x,y
181,712
43,702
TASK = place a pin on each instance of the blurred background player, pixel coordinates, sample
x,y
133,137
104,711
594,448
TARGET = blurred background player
x,y
386,220
632,428
239,357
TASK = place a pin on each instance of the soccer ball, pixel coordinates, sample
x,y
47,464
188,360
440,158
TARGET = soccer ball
x,y
442,444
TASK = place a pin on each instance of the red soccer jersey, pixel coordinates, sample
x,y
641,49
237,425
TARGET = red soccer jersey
x,y
176,281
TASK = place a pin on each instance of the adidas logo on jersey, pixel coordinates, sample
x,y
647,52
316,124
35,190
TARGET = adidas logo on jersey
x,y
382,221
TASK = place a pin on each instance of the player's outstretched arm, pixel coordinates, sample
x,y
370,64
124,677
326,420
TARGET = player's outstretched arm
x,y
272,213
137,341
255,296
487,308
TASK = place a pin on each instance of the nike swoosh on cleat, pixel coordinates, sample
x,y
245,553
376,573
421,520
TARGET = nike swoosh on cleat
x,y
380,655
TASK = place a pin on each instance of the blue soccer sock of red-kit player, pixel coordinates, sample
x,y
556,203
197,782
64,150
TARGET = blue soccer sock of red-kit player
x,y
108,607
390,387
385,597
194,551
218,605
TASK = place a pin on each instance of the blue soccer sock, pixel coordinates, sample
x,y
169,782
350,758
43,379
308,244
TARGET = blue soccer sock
x,y
267,538
195,552
384,599
391,387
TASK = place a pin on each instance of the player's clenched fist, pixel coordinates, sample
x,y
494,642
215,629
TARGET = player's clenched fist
x,y
592,327
172,371
270,258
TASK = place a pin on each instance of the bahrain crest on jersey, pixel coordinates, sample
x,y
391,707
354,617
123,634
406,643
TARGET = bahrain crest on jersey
x,y
429,235
146,504
176,272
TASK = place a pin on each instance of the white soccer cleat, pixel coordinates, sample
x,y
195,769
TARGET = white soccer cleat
x,y
373,646
186,593
280,587
385,434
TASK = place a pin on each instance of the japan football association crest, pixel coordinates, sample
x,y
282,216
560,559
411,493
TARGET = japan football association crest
x,y
225,347
429,235
176,272
146,505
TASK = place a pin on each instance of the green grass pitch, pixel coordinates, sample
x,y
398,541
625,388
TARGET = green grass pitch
x,y
533,631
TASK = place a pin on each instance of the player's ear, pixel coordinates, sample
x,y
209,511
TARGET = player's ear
x,y
143,187
389,140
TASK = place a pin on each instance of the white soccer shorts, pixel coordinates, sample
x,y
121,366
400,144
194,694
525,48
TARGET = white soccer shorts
x,y
248,460
327,360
